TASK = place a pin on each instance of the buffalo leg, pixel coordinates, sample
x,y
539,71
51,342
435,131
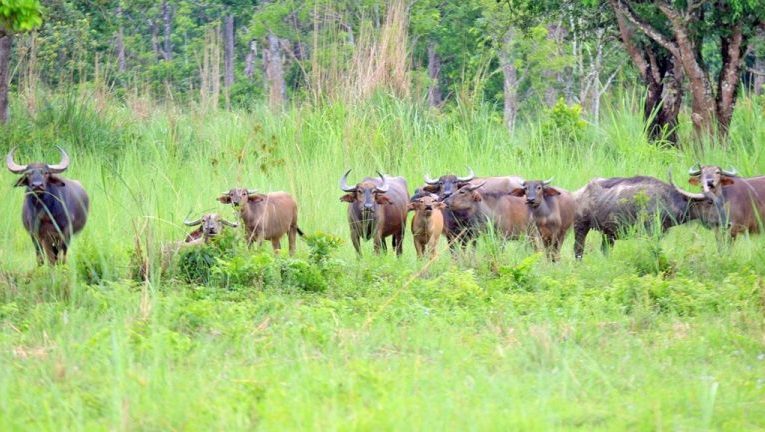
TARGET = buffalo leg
x,y
277,244
608,242
50,252
356,243
291,235
38,251
380,245
418,247
398,243
580,235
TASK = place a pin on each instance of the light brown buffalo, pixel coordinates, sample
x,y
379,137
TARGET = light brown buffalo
x,y
266,216
427,223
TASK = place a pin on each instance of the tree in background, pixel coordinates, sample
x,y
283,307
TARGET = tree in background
x,y
15,16
682,28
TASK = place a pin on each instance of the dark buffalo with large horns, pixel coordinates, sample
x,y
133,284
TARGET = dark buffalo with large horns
x,y
615,205
738,203
377,209
54,208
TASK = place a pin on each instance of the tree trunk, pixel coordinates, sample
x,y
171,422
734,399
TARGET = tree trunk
x,y
228,51
759,77
662,75
167,49
434,71
6,43
554,80
277,88
510,84
120,41
249,61
732,48
155,40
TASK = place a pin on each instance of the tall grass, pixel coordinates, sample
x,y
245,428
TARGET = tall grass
x,y
663,333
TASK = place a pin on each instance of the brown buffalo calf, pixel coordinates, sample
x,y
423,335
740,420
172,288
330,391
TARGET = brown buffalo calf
x,y
427,223
266,216
552,211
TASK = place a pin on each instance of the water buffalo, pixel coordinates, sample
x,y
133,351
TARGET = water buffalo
x,y
459,226
54,209
377,209
739,203
614,205
552,211
210,225
427,223
474,208
266,216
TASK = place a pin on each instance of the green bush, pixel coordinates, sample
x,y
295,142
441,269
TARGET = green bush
x,y
257,270
564,122
303,275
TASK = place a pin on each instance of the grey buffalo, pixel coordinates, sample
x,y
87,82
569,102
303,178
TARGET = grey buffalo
x,y
614,205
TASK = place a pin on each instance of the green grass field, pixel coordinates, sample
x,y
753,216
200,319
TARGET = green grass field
x,y
664,334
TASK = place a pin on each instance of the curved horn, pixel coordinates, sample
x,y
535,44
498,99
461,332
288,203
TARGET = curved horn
x,y
690,195
192,223
474,187
252,191
230,224
695,169
13,166
384,186
430,181
469,177
344,183
61,166
548,181
730,172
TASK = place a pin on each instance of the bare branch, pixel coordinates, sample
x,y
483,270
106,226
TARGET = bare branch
x,y
624,7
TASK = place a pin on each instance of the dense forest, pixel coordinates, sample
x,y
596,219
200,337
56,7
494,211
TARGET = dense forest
x,y
515,56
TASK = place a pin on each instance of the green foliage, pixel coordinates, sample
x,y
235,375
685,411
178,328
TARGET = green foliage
x,y
257,270
20,15
323,246
303,275
564,121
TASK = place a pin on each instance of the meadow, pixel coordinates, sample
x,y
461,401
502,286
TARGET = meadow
x,y
665,333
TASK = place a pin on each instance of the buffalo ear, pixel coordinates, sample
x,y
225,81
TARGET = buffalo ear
x,y
548,192
439,205
56,180
349,197
430,188
476,196
725,181
225,199
256,198
519,192
21,182
694,180
382,199
410,207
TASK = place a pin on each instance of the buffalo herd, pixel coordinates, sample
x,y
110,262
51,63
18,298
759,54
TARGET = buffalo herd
x,y
458,208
